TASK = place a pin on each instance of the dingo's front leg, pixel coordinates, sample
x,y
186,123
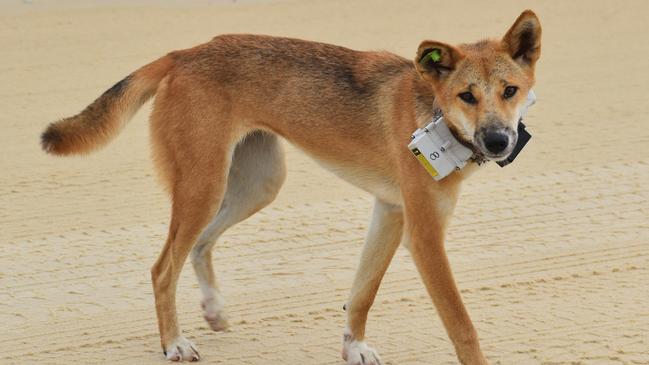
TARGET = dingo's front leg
x,y
428,207
382,241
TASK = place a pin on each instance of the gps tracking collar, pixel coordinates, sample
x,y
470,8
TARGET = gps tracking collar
x,y
441,153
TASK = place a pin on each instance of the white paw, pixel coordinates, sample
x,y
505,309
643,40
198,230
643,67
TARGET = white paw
x,y
181,349
214,315
358,353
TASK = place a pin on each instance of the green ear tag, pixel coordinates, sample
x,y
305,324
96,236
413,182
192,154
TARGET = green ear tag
x,y
435,55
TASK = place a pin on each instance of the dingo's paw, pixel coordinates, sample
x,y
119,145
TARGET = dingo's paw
x,y
214,315
358,353
181,349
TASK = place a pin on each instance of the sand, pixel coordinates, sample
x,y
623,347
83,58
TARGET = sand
x,y
551,253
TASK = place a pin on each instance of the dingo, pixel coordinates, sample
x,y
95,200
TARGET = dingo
x,y
219,110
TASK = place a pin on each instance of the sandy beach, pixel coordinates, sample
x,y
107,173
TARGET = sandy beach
x,y
551,253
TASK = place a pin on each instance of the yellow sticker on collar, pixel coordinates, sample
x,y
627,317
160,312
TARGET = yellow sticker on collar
x,y
422,159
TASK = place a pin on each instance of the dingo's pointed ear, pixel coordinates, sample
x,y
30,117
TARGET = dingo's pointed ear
x,y
523,39
436,60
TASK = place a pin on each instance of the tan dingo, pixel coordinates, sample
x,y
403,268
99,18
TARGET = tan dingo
x,y
218,112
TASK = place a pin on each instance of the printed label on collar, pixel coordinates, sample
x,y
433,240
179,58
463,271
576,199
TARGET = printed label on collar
x,y
437,149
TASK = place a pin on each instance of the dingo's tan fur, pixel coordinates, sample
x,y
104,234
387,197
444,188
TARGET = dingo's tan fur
x,y
219,110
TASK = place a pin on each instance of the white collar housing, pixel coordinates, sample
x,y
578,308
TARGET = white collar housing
x,y
437,149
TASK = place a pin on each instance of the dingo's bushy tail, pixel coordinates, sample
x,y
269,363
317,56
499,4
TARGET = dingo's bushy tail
x,y
102,120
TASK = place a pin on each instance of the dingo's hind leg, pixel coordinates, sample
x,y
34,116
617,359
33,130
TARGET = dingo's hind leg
x,y
193,139
256,175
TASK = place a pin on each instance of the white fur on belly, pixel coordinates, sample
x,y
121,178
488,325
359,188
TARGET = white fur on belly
x,y
371,181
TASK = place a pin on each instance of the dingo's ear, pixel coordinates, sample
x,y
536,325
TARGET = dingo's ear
x,y
523,39
436,60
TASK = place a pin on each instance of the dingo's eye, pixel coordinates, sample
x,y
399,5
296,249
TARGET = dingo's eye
x,y
510,91
468,98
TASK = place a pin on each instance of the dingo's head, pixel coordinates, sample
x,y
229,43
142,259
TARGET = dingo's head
x,y
482,87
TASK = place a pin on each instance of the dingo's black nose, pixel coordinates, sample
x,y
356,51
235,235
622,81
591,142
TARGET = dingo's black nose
x,y
496,141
